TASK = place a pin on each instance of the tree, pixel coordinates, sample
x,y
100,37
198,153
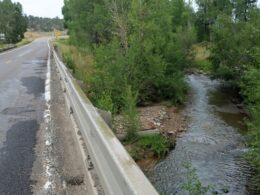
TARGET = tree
x,y
137,43
208,12
44,24
242,8
88,21
12,21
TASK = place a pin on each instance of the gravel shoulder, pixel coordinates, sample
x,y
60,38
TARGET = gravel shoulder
x,y
61,166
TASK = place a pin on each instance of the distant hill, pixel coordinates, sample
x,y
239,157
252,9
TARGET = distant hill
x,y
44,24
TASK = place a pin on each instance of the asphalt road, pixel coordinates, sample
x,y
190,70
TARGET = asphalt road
x,y
22,83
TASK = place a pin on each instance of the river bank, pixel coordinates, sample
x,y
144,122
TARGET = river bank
x,y
162,120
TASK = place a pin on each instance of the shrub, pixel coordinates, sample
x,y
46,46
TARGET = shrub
x,y
156,143
193,185
131,119
105,102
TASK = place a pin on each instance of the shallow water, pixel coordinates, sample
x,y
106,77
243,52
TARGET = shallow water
x,y
213,143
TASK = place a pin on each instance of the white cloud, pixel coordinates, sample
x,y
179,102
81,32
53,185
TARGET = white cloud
x,y
43,8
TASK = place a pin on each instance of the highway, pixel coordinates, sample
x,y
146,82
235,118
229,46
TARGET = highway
x,y
22,82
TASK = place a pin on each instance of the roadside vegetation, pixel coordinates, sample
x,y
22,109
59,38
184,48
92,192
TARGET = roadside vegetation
x,y
131,43
12,22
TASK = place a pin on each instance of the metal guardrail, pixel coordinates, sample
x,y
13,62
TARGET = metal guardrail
x,y
117,171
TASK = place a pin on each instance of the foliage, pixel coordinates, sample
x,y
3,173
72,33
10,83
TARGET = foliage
x,y
23,42
70,63
105,102
193,185
158,144
12,21
207,14
250,89
44,24
131,119
236,59
88,21
135,43
79,60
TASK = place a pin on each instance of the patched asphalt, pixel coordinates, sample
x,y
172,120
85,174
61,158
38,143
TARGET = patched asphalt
x,y
22,83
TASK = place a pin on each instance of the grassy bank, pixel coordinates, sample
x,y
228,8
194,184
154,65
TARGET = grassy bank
x,y
148,150
80,62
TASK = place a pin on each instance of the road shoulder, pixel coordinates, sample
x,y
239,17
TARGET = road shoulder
x,y
60,167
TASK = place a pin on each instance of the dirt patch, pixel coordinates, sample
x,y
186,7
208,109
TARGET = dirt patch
x,y
169,121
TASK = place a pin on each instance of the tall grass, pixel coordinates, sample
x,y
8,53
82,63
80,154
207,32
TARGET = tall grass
x,y
78,60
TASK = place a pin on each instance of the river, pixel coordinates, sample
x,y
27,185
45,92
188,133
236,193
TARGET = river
x,y
213,143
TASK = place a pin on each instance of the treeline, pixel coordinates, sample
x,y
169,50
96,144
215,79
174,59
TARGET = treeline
x,y
233,30
141,46
12,21
44,24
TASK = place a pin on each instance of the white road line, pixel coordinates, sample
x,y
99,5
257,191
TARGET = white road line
x,y
49,184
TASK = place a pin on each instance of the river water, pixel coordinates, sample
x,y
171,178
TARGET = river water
x,y
213,144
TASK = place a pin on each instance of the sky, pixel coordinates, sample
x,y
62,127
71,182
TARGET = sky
x,y
50,8
43,8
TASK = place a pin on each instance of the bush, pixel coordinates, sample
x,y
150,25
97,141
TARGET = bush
x,y
158,144
204,65
193,185
69,63
105,102
131,119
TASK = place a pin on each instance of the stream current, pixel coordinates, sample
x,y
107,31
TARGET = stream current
x,y
213,144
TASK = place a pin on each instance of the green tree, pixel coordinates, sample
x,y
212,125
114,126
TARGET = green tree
x,y
12,21
45,24
208,12
242,8
88,21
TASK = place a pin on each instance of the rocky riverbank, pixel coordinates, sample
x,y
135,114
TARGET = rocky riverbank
x,y
158,119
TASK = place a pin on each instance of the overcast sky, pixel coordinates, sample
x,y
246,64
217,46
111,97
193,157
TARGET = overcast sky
x,y
43,8
48,8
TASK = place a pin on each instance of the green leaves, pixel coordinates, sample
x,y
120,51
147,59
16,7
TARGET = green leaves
x,y
236,58
158,144
45,24
131,118
12,21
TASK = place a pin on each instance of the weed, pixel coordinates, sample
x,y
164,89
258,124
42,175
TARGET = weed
x,y
193,185
131,119
158,144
